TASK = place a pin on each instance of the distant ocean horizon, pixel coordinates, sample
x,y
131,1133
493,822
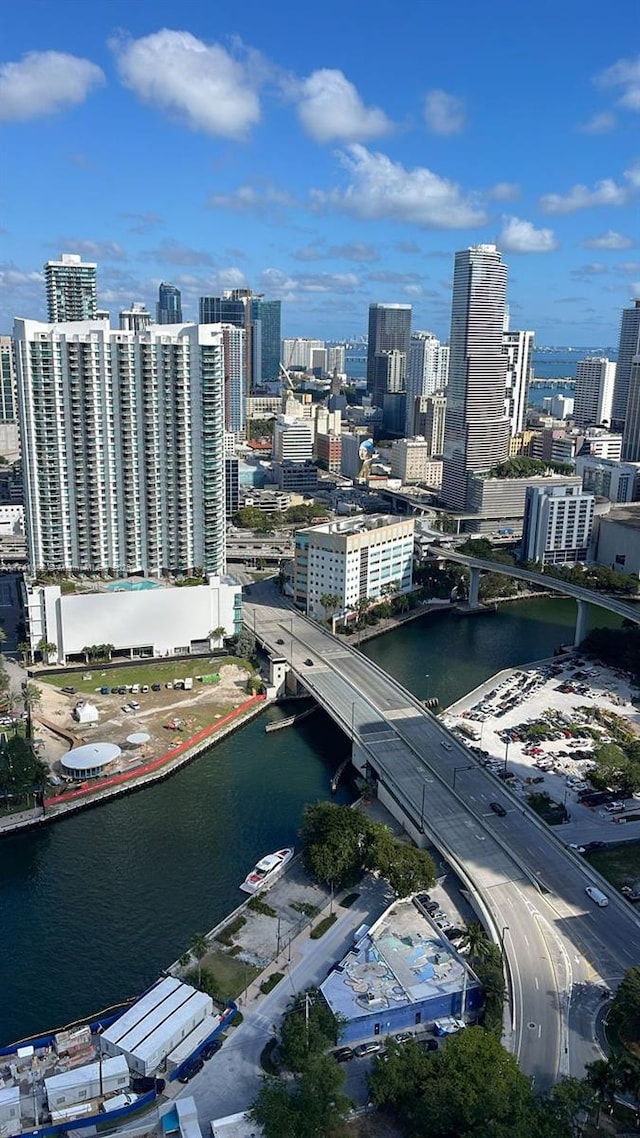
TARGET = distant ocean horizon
x,y
548,363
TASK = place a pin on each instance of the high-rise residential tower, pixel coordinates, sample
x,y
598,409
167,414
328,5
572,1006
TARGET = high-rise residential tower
x,y
71,289
423,372
628,347
233,307
595,378
389,331
169,306
476,426
517,347
265,320
122,446
234,378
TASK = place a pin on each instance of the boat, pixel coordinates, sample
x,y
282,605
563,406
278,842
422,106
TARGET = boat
x,y
266,871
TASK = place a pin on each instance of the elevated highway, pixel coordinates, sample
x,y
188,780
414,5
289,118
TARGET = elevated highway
x,y
559,947
584,597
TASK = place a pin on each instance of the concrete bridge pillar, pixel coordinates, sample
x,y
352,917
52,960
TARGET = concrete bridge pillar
x,y
581,623
474,588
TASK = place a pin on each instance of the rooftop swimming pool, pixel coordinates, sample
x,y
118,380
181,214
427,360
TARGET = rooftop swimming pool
x,y
133,586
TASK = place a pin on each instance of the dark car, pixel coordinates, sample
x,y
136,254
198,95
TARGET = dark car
x,y
211,1049
122,691
69,690
114,691
281,641
156,687
432,907
144,1083
105,691
423,898
588,846
498,809
366,1049
190,1070
309,662
343,1054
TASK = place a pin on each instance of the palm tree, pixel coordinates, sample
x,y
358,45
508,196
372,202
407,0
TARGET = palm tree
x,y
32,698
24,648
46,647
199,948
606,1079
218,634
476,940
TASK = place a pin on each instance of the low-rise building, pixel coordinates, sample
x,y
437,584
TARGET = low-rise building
x,y
328,448
503,499
617,481
136,618
409,460
557,526
296,477
148,1032
352,560
616,540
400,974
270,501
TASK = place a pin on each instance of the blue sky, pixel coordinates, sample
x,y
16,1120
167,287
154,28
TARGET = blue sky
x,y
331,155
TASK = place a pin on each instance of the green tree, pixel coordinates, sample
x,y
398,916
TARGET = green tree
x,y
605,1080
309,1028
246,646
335,842
250,517
406,868
31,698
46,648
312,1107
217,633
199,948
624,1014
24,648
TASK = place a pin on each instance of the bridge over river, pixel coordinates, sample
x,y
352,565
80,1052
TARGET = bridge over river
x,y
521,878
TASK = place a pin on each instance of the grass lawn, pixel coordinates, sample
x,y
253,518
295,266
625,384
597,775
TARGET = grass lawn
x,y
140,673
619,865
233,975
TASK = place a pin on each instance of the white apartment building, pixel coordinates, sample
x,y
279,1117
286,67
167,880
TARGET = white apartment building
x,y
123,446
352,559
423,372
429,419
603,444
162,621
517,346
234,346
71,289
262,406
134,319
557,524
617,481
336,359
292,439
410,459
595,380
298,353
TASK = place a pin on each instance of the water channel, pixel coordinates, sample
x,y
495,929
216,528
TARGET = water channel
x,y
93,907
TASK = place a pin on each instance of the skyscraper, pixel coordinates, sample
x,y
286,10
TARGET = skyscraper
x,y
71,289
389,331
595,378
628,347
234,378
169,306
422,372
476,427
265,319
517,347
233,307
123,447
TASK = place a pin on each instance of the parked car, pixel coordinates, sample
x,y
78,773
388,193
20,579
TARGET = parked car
x,y
114,691
366,1049
69,690
156,687
105,690
498,809
343,1054
144,1083
169,686
144,689
134,705
309,662
403,1036
211,1049
614,807
190,1070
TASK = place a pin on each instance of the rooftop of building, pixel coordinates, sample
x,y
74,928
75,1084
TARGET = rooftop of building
x,y
625,515
402,959
362,523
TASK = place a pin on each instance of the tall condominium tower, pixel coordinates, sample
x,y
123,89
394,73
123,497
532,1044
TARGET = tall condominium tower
x,y
7,381
595,378
265,332
628,347
169,306
234,378
71,289
422,372
517,347
122,446
476,427
233,307
389,331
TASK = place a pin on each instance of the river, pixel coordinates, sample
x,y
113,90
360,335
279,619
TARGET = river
x,y
93,907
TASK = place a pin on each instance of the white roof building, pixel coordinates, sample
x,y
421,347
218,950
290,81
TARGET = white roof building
x,y
150,1030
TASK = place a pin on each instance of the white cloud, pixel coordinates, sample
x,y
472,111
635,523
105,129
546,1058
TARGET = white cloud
x,y
520,236
95,250
633,175
199,84
283,284
171,252
44,82
331,109
10,277
444,113
584,272
379,187
504,191
609,240
600,123
231,277
251,199
625,76
605,192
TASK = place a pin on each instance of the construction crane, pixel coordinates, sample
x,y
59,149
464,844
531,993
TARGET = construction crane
x,y
284,368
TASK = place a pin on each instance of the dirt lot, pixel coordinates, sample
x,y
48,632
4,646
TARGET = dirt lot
x,y
193,709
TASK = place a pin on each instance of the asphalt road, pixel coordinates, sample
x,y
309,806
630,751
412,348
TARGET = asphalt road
x,y
560,947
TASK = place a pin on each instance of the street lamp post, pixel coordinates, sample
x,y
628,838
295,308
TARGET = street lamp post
x,y
505,929
424,788
428,679
455,771
506,755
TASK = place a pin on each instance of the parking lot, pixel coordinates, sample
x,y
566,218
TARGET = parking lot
x,y
537,728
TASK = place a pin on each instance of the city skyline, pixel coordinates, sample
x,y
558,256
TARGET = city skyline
x,y
285,165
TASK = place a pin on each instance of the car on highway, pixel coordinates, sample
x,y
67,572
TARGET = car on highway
x,y
343,1054
597,896
589,846
498,809
280,641
366,1049
445,744
578,849
309,662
